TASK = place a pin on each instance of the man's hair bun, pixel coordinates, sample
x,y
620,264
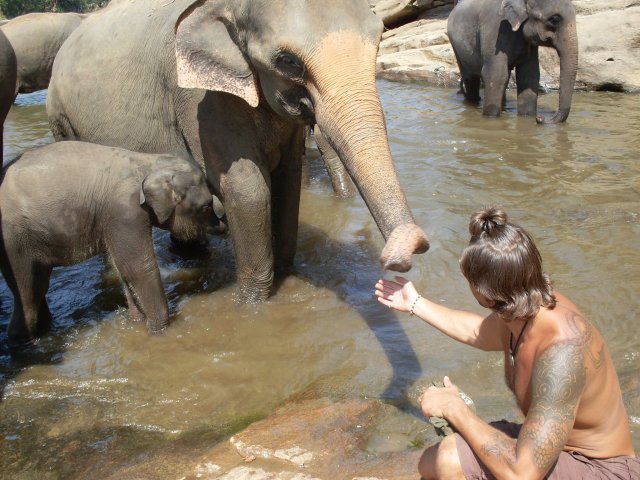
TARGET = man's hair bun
x,y
487,220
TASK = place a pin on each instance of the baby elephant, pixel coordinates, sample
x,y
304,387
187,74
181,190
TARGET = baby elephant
x,y
68,201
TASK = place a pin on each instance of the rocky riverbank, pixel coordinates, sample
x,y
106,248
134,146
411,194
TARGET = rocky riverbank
x,y
416,46
304,439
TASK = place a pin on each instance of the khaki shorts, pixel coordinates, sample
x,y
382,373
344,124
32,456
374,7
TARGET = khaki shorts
x,y
570,465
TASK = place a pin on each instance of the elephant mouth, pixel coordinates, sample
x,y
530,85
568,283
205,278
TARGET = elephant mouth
x,y
298,104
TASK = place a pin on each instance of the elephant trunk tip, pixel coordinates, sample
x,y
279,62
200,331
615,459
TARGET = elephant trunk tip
x,y
404,241
559,117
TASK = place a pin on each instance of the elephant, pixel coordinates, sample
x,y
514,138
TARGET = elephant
x,y
491,37
36,39
66,202
8,75
342,185
231,85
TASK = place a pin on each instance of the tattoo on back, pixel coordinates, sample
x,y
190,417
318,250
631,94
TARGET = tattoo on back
x,y
558,380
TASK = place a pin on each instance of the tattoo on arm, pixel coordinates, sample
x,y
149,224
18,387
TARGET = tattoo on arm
x,y
502,448
558,380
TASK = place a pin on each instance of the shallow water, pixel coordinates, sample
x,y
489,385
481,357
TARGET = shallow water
x,y
101,393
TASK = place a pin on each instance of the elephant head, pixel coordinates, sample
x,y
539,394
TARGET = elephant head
x,y
550,24
308,62
180,200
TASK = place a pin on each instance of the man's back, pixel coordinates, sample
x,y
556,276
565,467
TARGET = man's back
x,y
563,336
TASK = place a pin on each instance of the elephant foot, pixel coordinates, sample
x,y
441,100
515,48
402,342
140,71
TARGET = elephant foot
x,y
253,292
157,329
404,241
24,349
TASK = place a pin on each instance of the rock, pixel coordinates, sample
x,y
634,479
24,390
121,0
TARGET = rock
x,y
605,61
399,12
319,440
420,50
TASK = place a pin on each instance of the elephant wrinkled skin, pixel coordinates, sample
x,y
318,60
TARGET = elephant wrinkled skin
x,y
8,75
36,39
492,37
69,201
231,84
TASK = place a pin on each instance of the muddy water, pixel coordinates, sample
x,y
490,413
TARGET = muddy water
x,y
101,395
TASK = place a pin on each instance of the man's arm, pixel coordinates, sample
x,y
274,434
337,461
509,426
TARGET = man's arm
x,y
485,333
558,380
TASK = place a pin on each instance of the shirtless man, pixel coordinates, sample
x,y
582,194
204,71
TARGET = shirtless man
x,y
556,364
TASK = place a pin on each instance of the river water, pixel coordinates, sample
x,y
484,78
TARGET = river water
x,y
100,393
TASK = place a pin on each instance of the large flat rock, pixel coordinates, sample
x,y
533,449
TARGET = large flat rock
x,y
317,440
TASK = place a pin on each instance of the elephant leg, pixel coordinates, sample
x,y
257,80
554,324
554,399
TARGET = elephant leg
x,y
495,76
340,179
31,316
246,189
131,251
134,312
285,203
528,80
471,89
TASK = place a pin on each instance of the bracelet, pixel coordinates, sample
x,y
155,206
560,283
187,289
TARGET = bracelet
x,y
414,305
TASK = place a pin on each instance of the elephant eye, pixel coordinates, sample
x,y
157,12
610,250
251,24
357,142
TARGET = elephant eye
x,y
554,20
289,64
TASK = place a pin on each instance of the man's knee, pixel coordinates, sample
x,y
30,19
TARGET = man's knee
x,y
441,461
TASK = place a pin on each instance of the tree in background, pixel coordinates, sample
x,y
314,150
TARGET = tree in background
x,y
14,8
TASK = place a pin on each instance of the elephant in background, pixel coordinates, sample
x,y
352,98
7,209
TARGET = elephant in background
x,y
69,201
491,37
231,84
36,39
8,75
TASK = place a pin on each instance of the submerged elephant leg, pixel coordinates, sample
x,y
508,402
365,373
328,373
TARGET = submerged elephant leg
x,y
247,192
131,250
30,317
528,80
471,89
134,312
285,206
495,76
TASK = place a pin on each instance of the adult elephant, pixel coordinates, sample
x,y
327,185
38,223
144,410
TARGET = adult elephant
x,y
8,67
492,37
340,181
232,84
36,39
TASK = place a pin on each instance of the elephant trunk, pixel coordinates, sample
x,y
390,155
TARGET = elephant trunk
x,y
349,113
567,48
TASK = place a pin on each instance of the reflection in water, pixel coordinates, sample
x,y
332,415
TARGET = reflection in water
x,y
102,393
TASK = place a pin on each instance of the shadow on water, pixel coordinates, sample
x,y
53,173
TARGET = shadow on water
x,y
358,294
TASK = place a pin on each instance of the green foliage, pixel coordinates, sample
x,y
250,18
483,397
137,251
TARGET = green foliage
x,y
14,8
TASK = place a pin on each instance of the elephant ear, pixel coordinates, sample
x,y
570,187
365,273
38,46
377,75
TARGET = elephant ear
x,y
515,11
208,58
159,192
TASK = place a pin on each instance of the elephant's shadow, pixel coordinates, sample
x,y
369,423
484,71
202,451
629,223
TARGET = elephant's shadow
x,y
356,288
